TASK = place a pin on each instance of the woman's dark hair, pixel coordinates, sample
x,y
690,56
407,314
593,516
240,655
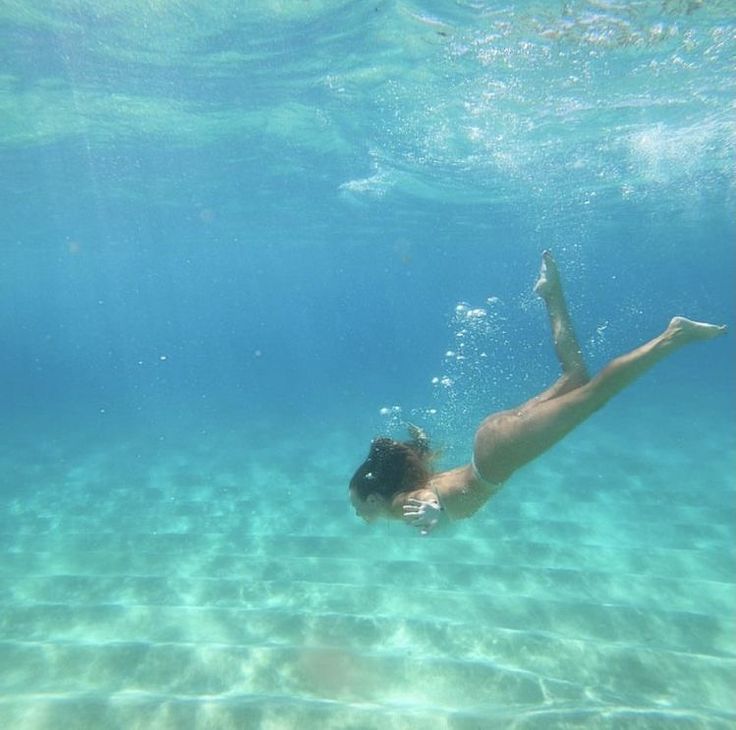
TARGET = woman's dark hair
x,y
394,466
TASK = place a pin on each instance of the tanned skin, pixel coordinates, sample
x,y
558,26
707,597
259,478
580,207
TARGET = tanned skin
x,y
506,441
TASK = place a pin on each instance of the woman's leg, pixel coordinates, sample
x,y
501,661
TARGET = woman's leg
x,y
569,354
508,440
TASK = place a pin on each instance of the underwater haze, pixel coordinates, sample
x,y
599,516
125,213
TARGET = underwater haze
x,y
239,240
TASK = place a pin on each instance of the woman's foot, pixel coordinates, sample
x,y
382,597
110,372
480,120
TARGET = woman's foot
x,y
685,330
548,283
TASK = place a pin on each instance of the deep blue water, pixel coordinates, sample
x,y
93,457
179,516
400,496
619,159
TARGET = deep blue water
x,y
231,235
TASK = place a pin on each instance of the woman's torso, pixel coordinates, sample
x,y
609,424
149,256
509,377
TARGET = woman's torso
x,y
461,491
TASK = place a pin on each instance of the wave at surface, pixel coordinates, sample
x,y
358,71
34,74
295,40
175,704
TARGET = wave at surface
x,y
469,102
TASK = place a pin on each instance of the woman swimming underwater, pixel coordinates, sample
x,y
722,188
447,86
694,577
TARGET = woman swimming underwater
x,y
396,481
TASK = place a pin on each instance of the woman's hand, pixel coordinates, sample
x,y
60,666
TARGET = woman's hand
x,y
424,514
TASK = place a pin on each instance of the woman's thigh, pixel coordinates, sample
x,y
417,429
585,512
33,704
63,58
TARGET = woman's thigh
x,y
506,441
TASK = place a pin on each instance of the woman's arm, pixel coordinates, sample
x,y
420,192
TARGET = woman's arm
x,y
420,508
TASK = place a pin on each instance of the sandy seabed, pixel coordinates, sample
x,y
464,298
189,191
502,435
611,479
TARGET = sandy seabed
x,y
200,585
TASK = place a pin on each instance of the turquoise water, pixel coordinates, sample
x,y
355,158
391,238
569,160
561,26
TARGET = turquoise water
x,y
234,241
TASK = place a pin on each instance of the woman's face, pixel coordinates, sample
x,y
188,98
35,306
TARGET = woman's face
x,y
369,509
